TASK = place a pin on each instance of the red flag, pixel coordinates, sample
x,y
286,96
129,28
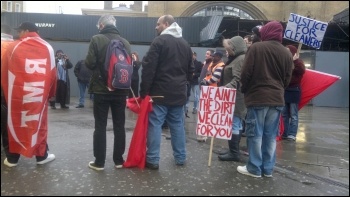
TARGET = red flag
x,y
137,150
28,78
314,83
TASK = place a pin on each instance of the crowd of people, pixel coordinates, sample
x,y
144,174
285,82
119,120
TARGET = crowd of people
x,y
265,74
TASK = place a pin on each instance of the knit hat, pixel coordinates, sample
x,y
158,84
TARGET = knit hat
x,y
292,49
218,53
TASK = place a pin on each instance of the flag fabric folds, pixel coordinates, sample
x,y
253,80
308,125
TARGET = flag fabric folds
x,y
314,83
137,150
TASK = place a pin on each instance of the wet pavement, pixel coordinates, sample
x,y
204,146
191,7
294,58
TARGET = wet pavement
x,y
317,164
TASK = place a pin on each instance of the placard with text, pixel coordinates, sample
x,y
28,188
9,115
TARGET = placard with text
x,y
215,115
305,30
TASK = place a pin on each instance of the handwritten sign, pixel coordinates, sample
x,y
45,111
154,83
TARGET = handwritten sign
x,y
305,30
215,116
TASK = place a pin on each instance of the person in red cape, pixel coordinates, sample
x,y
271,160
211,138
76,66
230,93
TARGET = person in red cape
x,y
28,78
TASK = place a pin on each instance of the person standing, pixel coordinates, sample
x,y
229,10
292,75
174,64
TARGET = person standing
x,y
63,86
292,96
83,75
6,40
214,71
231,78
208,59
266,72
167,67
28,78
135,78
195,82
105,99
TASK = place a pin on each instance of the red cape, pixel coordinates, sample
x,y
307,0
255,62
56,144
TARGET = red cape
x,y
28,78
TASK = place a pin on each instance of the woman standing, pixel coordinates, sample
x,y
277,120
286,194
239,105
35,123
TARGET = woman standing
x,y
230,78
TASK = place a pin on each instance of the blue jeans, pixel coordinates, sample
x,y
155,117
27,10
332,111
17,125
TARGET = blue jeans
x,y
195,92
236,125
82,88
102,103
290,119
261,131
174,116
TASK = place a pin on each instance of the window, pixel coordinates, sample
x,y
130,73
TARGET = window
x,y
9,6
18,7
223,10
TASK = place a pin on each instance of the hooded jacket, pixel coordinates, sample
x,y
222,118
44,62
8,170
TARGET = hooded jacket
x,y
167,67
96,56
232,72
267,69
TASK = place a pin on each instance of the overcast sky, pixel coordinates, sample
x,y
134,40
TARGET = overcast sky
x,y
68,7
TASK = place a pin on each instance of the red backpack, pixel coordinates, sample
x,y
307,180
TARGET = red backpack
x,y
118,66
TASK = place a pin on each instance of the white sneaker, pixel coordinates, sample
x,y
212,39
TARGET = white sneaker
x,y
243,170
50,157
268,175
8,164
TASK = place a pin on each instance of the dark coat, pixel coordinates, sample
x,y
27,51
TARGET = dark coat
x,y
292,93
82,73
266,72
96,56
166,68
197,72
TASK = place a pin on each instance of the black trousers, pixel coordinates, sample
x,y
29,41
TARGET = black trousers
x,y
102,103
135,88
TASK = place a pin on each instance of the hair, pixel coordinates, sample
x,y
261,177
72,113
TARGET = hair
x,y
107,20
249,37
168,19
136,54
5,29
211,51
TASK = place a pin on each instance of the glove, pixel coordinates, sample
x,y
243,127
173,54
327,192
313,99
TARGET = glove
x,y
203,82
295,57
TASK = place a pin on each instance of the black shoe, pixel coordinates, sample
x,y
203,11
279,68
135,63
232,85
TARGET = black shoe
x,y
152,166
80,106
228,157
64,107
224,152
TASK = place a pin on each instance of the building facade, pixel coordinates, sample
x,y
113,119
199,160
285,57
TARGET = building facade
x,y
12,6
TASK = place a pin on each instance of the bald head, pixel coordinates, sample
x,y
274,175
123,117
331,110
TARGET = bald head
x,y
164,22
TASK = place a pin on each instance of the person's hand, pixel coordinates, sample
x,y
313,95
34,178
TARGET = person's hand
x,y
296,56
203,82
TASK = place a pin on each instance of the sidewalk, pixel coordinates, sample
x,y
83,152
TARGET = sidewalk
x,y
317,164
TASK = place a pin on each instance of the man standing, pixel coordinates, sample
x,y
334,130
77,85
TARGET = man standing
x,y
214,71
28,78
105,99
83,75
167,67
195,83
266,72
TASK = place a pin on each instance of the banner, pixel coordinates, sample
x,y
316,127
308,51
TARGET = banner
x,y
215,115
305,30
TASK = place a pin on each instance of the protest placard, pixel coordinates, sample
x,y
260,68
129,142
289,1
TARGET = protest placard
x,y
215,115
305,30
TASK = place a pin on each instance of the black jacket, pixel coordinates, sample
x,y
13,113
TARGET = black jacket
x,y
197,72
82,73
166,68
